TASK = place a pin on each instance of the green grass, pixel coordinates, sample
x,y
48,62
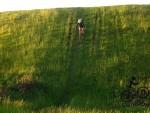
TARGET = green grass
x,y
41,48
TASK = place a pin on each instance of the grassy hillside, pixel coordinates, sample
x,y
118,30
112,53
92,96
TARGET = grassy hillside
x,y
45,67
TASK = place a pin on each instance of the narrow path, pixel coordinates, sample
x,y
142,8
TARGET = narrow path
x,y
73,61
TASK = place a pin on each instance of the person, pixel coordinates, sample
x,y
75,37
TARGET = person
x,y
132,82
81,28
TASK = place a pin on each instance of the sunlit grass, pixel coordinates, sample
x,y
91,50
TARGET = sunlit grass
x,y
41,49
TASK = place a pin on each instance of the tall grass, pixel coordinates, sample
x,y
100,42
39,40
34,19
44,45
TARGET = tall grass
x,y
42,47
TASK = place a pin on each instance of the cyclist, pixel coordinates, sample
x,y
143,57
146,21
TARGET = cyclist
x,y
81,28
132,82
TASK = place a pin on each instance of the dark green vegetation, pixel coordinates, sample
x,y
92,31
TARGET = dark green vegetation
x,y
43,64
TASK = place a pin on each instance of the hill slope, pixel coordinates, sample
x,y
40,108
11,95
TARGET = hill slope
x,y
44,63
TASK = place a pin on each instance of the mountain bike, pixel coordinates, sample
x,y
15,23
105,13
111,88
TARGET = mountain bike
x,y
132,92
129,94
